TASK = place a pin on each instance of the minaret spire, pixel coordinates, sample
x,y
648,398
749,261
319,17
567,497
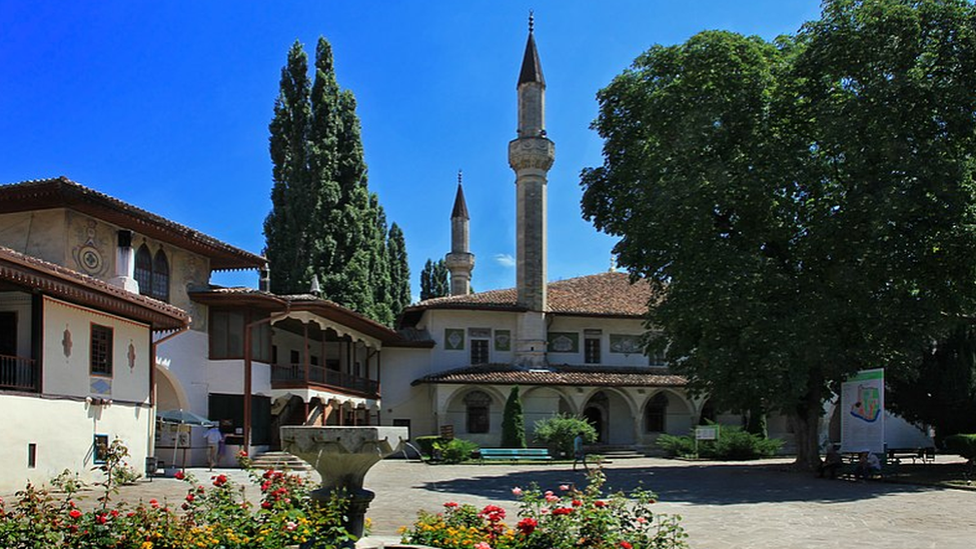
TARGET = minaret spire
x,y
460,261
531,155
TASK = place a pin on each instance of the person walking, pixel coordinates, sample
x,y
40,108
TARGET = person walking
x,y
579,454
214,438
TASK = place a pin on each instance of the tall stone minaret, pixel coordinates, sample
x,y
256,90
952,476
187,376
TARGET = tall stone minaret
x,y
531,155
460,262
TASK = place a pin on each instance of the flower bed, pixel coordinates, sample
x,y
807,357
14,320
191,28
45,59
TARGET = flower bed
x,y
212,514
569,519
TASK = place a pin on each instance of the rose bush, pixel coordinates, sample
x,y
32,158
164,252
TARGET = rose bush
x,y
211,514
570,519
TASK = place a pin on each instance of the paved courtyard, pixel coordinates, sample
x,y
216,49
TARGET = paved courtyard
x,y
725,506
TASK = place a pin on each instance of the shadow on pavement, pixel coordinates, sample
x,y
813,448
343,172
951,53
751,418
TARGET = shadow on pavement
x,y
709,484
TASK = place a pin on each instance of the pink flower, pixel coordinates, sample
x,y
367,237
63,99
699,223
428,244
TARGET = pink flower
x,y
290,526
641,520
551,498
564,487
482,545
548,493
516,491
492,513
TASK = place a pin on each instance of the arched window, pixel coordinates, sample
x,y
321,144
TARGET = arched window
x,y
152,274
160,278
478,407
655,414
143,271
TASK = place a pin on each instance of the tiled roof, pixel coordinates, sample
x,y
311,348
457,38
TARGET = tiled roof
x,y
61,192
605,294
506,374
30,272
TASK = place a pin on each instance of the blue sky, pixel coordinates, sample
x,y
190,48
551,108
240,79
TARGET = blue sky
x,y
166,105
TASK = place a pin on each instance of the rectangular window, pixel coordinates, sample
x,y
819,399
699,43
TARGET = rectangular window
x,y
657,358
227,334
479,351
31,455
591,350
100,359
261,342
295,357
478,419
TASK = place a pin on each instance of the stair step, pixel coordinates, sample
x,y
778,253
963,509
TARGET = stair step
x,y
280,460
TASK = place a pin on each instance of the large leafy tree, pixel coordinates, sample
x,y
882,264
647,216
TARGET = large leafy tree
x,y
324,220
944,393
804,207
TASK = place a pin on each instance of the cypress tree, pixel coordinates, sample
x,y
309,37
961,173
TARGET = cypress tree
x,y
434,280
399,270
284,228
324,220
513,421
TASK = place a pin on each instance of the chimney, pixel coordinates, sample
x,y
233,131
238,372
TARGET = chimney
x,y
125,263
264,282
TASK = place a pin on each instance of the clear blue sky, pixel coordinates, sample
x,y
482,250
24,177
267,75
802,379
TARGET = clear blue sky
x,y
166,105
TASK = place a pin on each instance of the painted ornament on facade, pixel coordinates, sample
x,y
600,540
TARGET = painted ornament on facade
x,y
563,342
626,344
131,355
87,255
454,339
66,341
503,340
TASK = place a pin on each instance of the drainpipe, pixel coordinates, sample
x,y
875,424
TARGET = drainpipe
x,y
247,371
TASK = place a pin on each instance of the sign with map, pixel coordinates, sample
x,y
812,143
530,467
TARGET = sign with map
x,y
862,412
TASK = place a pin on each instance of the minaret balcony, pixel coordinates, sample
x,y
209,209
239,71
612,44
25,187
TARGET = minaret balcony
x,y
531,153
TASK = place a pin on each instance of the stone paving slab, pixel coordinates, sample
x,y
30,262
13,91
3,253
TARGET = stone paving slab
x,y
724,505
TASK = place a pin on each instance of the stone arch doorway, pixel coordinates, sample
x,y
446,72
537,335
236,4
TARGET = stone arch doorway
x,y
593,414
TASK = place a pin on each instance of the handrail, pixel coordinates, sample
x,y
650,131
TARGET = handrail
x,y
320,375
18,373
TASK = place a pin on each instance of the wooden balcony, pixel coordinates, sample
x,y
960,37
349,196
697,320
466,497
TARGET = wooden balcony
x,y
19,374
288,376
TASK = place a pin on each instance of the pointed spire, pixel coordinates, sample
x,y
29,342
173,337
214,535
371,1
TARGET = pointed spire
x,y
460,208
531,67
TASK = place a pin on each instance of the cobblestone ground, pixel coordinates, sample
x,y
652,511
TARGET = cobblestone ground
x,y
724,506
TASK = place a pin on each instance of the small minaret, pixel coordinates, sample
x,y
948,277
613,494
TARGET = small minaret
x,y
531,155
460,262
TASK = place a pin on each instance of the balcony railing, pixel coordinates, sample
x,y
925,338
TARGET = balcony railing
x,y
18,374
294,374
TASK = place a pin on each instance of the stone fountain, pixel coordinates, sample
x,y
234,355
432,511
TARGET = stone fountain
x,y
343,455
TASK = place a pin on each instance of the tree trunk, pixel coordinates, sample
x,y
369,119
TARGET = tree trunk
x,y
806,427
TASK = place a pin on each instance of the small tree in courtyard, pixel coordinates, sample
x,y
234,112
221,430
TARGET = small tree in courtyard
x,y
513,422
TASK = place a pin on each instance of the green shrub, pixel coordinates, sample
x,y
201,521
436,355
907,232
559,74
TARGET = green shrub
x,y
456,450
559,431
426,443
676,446
963,445
733,444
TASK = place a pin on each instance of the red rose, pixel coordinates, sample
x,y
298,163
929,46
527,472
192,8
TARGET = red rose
x,y
190,497
599,503
577,503
101,519
562,511
179,475
75,514
220,480
527,525
625,545
451,504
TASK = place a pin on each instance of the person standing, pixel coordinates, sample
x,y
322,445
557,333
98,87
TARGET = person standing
x,y
214,438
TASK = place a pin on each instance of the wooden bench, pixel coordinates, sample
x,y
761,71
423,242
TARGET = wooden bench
x,y
514,454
